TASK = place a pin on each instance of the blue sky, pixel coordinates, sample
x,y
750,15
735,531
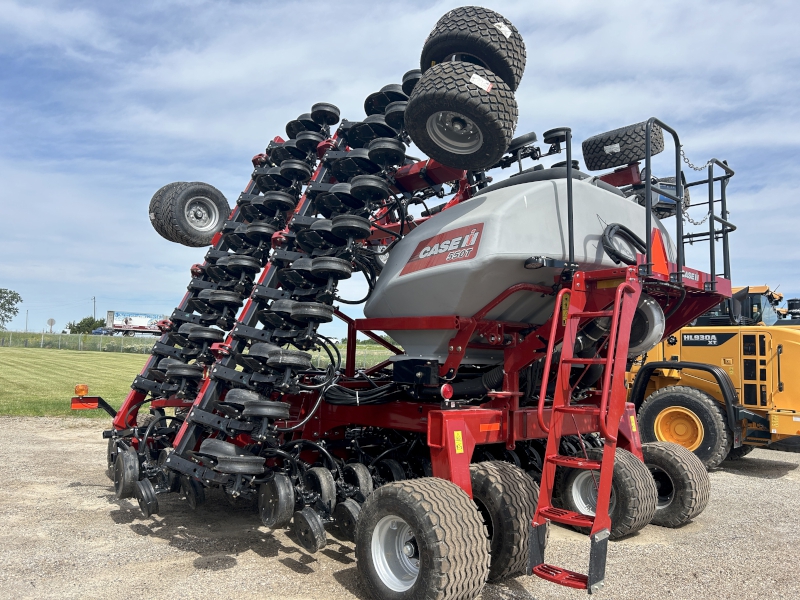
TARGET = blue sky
x,y
101,103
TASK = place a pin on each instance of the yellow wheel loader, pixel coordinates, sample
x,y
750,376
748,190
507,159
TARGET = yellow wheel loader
x,y
727,382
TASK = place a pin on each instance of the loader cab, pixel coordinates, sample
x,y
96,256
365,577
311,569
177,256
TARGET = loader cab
x,y
750,305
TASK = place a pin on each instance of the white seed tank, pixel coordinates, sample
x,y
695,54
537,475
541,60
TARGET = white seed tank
x,y
461,259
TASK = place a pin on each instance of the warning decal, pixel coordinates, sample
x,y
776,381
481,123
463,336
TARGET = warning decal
x,y
454,246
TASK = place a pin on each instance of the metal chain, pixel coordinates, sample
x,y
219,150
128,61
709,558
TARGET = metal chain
x,y
689,163
685,206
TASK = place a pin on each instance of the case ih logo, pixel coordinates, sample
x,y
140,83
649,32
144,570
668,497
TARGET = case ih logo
x,y
453,246
706,339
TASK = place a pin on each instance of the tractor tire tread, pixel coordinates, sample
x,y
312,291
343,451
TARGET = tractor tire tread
x,y
517,495
454,528
693,488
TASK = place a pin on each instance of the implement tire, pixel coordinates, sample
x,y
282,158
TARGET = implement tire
x,y
633,492
477,34
681,480
621,146
190,213
689,417
421,539
454,119
506,497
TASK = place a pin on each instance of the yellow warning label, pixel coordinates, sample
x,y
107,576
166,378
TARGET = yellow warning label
x,y
459,442
564,309
633,423
604,284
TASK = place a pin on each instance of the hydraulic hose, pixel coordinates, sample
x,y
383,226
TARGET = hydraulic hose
x,y
616,229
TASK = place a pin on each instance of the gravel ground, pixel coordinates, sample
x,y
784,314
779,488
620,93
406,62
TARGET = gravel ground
x,y
65,536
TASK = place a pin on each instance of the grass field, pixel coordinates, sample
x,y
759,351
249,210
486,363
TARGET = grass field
x,y
38,382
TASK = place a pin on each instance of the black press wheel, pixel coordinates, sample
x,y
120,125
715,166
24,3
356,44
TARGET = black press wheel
x,y
506,499
422,539
126,471
633,492
190,214
345,515
276,501
111,456
320,481
146,498
193,490
358,476
462,115
689,417
682,483
477,35
309,529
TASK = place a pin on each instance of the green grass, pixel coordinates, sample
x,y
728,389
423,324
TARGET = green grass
x,y
36,382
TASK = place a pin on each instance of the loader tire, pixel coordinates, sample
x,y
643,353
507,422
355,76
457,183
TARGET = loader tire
x,y
480,36
633,492
790,444
689,417
682,482
421,539
191,214
453,119
621,146
506,498
739,453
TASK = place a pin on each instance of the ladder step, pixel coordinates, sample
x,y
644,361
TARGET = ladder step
x,y
593,314
585,361
578,410
575,462
566,517
561,576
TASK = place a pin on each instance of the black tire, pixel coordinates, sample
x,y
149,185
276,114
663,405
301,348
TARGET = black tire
x,y
633,492
506,498
155,207
146,498
111,456
682,483
620,147
320,480
309,529
172,223
276,502
389,470
487,118
345,515
193,490
126,472
358,475
717,439
480,35
739,453
448,539
294,359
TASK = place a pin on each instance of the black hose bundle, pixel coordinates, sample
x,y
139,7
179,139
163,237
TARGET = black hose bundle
x,y
616,229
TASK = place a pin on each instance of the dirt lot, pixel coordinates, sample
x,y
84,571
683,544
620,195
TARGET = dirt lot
x,y
65,536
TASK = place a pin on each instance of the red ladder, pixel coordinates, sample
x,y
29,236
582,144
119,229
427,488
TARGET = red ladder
x,y
607,406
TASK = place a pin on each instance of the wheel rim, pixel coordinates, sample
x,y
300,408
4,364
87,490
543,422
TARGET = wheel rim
x,y
584,493
454,132
664,486
202,213
395,553
465,57
680,426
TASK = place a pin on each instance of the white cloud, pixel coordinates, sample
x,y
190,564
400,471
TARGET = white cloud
x,y
101,104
